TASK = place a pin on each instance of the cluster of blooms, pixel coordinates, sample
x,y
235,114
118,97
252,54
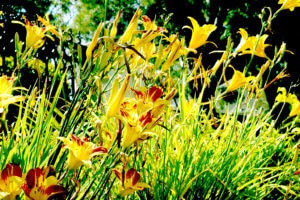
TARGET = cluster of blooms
x,y
140,114
37,184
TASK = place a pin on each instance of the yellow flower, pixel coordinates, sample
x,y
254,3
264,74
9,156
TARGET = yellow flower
x,y
289,98
200,34
11,182
130,30
252,45
35,35
93,44
6,88
238,80
46,22
289,4
130,181
80,151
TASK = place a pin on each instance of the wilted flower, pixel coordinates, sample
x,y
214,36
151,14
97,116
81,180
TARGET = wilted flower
x,y
130,182
10,182
289,98
252,45
41,184
200,34
6,88
36,35
238,80
176,49
81,151
289,4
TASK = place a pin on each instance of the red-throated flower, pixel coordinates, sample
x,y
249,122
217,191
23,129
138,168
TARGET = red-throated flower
x,y
41,184
130,181
11,182
81,151
142,113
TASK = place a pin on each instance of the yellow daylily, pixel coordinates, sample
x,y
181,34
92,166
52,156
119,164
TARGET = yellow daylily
x,y
129,181
252,45
11,182
289,4
289,98
93,44
6,88
131,28
35,35
238,80
200,34
81,151
46,22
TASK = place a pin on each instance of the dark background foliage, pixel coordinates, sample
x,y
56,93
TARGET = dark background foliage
x,y
228,15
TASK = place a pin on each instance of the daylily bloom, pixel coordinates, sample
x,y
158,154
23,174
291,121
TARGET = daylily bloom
x,y
81,151
36,35
137,127
6,88
289,4
289,98
46,22
116,97
93,44
130,30
41,184
141,114
252,45
151,25
238,80
200,34
130,182
11,182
